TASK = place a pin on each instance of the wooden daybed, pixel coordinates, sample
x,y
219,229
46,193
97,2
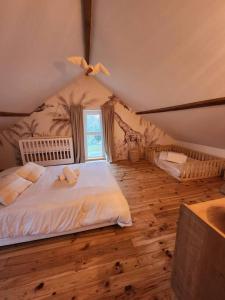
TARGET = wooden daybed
x,y
199,165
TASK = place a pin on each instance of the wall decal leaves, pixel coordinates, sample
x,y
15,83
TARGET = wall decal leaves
x,y
61,122
60,128
56,121
31,128
113,99
25,129
42,107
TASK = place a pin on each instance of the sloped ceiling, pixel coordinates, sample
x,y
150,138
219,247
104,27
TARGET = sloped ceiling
x,y
163,53
160,53
36,37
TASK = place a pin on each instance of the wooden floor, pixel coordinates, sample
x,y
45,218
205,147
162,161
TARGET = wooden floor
x,y
109,263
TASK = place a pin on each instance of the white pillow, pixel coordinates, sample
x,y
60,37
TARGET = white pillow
x,y
31,171
175,157
8,171
163,155
11,186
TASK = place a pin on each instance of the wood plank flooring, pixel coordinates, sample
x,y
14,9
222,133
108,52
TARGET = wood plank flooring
x,y
113,262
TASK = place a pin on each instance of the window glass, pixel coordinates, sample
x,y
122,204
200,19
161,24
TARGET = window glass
x,y
93,123
93,138
94,146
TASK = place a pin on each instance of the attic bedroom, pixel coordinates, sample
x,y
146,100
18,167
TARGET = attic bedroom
x,y
112,149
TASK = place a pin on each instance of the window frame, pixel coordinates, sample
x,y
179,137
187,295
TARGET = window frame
x,y
87,112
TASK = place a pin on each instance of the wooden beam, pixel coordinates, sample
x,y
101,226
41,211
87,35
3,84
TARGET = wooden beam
x,y
13,114
191,105
86,17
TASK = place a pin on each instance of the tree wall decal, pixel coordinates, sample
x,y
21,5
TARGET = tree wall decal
x,y
25,129
61,120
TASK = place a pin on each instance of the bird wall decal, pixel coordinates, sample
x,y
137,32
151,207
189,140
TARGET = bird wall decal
x,y
89,69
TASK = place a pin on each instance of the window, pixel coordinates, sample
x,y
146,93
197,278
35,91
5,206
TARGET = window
x,y
93,137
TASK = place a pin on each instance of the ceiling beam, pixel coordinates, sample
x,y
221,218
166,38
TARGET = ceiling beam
x,y
13,114
86,18
191,105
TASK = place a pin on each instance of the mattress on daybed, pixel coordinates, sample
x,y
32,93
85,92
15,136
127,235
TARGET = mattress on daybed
x,y
172,168
49,206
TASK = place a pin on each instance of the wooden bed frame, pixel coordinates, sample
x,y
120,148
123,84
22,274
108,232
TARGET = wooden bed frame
x,y
30,238
205,165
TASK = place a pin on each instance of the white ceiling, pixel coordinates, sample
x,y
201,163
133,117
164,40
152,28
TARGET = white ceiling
x,y
163,53
36,37
160,53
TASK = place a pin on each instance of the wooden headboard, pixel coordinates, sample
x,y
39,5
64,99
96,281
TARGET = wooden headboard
x,y
47,151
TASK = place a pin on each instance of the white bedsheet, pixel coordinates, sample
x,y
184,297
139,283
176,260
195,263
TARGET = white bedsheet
x,y
172,168
51,207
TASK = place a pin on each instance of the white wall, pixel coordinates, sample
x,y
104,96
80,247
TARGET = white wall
x,y
54,120
85,90
209,150
204,126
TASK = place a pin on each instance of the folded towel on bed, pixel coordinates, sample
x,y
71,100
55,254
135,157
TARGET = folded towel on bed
x,y
70,175
62,177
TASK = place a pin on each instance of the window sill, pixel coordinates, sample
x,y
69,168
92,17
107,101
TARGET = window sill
x,y
93,159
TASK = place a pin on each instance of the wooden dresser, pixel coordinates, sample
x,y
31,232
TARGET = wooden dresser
x,y
199,260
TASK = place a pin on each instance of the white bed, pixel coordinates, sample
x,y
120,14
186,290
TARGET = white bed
x,y
50,208
171,168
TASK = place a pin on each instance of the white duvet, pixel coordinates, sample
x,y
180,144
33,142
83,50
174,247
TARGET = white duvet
x,y
50,206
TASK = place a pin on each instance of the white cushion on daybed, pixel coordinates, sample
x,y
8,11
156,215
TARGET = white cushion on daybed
x,y
172,168
171,162
174,157
163,155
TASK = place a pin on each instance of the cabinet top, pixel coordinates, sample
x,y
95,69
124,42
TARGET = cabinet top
x,y
212,212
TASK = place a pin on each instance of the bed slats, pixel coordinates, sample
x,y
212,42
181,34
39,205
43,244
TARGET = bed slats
x,y
47,151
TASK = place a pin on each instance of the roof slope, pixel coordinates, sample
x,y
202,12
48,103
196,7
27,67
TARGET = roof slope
x,y
36,36
164,53
160,53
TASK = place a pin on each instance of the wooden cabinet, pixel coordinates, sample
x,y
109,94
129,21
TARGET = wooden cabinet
x,y
199,260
